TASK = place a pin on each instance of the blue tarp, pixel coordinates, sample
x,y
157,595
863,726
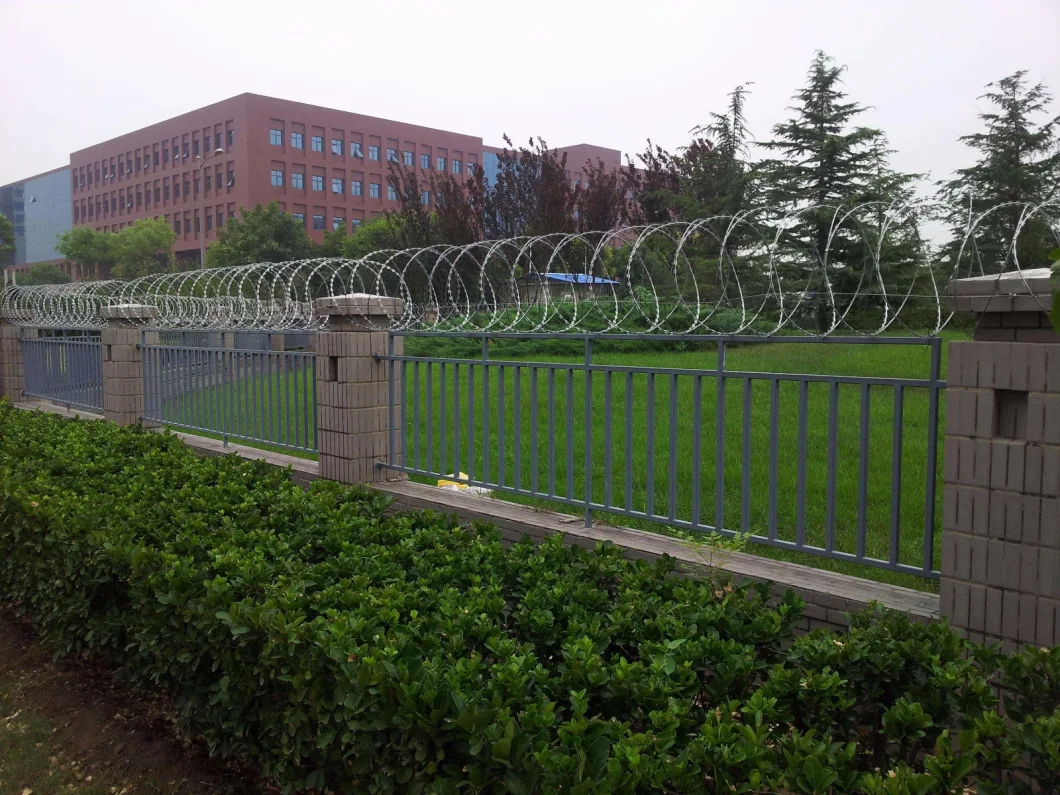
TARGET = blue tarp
x,y
578,278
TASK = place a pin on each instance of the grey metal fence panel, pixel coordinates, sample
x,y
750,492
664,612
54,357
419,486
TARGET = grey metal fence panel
x,y
65,368
814,463
254,395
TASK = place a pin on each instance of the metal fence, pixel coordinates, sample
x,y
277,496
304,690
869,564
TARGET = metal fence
x,y
65,366
254,395
839,466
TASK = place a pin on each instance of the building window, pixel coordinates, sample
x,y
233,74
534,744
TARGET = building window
x,y
391,155
231,179
176,189
425,161
176,154
231,137
355,187
425,197
276,137
407,157
114,205
298,180
456,167
137,166
209,223
297,141
176,225
336,146
277,178
337,186
195,151
470,169
373,152
196,224
165,154
373,190
355,149
139,198
155,158
209,181
165,192
158,195
317,143
318,222
318,182
440,164
338,223
355,222
300,217
220,216
391,194
185,150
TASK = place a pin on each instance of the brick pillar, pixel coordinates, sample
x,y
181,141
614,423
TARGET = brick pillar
x,y
12,373
276,341
123,382
1001,523
353,389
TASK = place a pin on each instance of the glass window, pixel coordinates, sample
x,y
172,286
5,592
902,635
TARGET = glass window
x,y
277,178
373,190
338,223
231,179
231,137
355,149
407,157
373,152
441,164
355,187
165,192
337,186
336,146
176,225
425,161
297,140
456,167
276,137
165,155
318,143
220,216
470,169
209,181
425,197
300,217
318,182
209,222
318,222
154,158
176,189
355,222
187,188
158,195
298,180
391,193
391,155
176,153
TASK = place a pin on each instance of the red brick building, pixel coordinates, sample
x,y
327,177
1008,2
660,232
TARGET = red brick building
x,y
325,166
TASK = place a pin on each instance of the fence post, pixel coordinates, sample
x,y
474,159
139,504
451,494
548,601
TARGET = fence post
x,y
353,389
12,371
123,378
1001,525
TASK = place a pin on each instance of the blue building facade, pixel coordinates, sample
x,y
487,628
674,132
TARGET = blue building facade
x,y
40,209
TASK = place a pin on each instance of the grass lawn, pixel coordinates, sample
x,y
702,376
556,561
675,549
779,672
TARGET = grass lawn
x,y
673,490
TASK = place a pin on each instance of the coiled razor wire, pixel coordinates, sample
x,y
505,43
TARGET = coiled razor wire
x,y
744,274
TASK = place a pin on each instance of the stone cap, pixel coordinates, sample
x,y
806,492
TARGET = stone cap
x,y
1015,291
359,305
129,312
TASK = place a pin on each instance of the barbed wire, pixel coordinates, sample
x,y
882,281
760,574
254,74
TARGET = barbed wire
x,y
871,272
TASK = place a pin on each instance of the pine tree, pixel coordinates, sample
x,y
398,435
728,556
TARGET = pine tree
x,y
1019,164
826,164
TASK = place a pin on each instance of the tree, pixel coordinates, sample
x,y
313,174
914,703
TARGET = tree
x,y
826,163
89,251
143,248
44,273
1018,164
651,188
264,234
533,193
381,233
334,243
7,241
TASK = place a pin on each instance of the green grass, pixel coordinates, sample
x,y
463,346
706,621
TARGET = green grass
x,y
898,361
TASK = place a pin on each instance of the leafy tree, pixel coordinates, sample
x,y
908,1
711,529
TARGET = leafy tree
x,y
44,273
1018,163
825,163
143,248
89,251
264,234
602,203
459,208
334,243
376,234
414,231
532,195
7,240
652,187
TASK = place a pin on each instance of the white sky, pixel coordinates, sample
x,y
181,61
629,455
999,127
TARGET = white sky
x,y
74,73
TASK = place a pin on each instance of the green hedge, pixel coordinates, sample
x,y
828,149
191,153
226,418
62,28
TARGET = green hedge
x,y
340,648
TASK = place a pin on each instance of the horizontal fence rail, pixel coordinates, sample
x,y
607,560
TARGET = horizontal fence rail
x,y
65,368
838,466
250,394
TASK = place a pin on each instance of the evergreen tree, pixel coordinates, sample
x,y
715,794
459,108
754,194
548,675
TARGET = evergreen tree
x,y
1018,164
826,164
7,240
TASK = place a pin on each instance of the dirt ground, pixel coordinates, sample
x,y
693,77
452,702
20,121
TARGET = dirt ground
x,y
106,730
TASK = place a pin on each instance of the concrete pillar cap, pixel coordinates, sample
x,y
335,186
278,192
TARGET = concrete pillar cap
x,y
129,312
359,305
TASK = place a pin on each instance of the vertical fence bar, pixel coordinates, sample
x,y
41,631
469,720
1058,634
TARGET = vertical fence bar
x,y
517,429
833,444
932,456
896,474
391,432
719,443
533,430
628,502
697,449
650,503
486,410
456,420
470,421
416,415
551,431
745,469
863,472
502,453
430,417
800,499
570,433
587,453
442,398
774,449
405,412
671,475
607,438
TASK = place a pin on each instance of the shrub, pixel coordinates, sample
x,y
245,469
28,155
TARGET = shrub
x,y
341,647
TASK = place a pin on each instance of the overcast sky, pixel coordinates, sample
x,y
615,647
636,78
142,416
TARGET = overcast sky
x,y
613,73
